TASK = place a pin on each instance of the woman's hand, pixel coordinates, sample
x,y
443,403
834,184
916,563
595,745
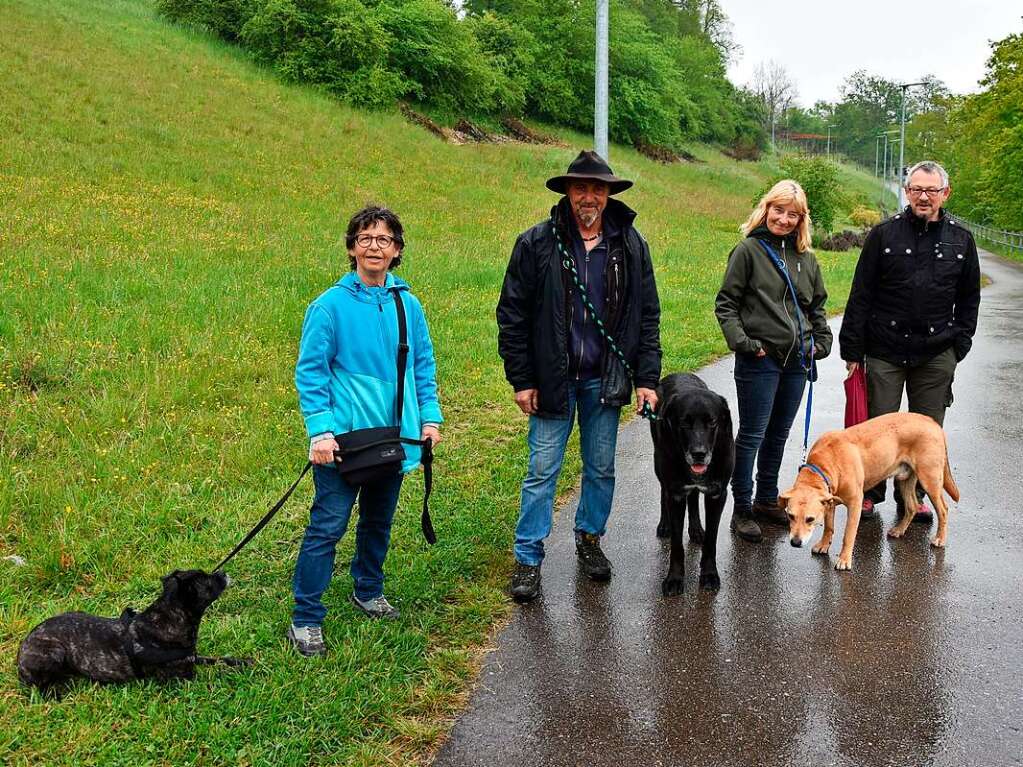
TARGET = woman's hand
x,y
431,432
761,352
322,452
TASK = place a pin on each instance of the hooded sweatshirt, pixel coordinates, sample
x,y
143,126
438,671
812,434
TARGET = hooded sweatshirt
x,y
347,374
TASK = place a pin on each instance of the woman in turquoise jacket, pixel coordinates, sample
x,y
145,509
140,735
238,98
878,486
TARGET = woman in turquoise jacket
x,y
347,379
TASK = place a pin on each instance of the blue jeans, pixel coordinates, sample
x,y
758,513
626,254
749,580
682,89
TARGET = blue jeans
x,y
328,520
598,432
769,398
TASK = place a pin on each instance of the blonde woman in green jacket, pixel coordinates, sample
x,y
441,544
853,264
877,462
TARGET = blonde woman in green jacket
x,y
774,340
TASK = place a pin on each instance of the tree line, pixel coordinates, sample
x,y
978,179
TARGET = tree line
x,y
521,58
978,137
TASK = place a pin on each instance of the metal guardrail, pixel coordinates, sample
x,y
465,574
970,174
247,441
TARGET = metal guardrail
x,y
1013,241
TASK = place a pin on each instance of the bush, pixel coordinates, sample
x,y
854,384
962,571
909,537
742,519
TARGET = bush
x,y
819,179
863,216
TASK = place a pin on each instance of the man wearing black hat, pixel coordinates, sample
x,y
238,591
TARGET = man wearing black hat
x,y
578,322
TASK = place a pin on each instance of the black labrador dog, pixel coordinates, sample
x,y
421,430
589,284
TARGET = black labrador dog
x,y
157,643
694,452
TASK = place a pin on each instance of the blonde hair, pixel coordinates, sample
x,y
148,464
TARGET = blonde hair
x,y
785,192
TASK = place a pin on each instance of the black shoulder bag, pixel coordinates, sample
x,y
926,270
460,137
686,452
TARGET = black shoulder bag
x,y
365,456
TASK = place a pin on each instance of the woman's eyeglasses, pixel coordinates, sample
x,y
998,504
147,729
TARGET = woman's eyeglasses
x,y
383,241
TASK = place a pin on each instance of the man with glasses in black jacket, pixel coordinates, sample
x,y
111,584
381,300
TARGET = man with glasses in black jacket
x,y
912,310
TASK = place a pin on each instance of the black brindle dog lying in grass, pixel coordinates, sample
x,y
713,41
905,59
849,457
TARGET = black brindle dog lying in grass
x,y
157,643
694,452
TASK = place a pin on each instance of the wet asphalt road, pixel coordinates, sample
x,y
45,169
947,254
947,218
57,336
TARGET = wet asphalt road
x,y
913,658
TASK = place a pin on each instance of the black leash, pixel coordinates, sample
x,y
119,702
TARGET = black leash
x,y
425,521
266,518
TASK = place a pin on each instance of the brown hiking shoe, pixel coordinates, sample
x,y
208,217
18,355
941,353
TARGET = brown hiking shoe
x,y
770,513
745,526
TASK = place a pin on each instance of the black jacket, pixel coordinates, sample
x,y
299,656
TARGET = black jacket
x,y
533,313
915,292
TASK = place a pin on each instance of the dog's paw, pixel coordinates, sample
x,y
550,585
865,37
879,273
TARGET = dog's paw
x,y
843,563
937,543
672,586
820,548
663,531
710,581
894,532
696,535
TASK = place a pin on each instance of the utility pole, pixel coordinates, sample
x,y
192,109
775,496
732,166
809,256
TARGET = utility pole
x,y
902,142
830,126
600,94
877,152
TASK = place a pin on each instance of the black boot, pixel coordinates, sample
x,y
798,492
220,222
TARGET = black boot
x,y
595,564
525,582
745,526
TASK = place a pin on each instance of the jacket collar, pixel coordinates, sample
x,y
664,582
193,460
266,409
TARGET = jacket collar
x,y
617,215
350,281
922,224
763,233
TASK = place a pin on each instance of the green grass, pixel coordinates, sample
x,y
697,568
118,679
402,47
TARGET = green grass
x,y
168,211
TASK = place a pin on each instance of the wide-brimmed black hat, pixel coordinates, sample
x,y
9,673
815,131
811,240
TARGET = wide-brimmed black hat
x,y
589,166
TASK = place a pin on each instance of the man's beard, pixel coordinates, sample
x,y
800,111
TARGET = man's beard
x,y
587,215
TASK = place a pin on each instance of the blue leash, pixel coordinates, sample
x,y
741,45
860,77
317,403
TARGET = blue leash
x,y
779,263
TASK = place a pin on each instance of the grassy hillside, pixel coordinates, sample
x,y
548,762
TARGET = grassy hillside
x,y
167,211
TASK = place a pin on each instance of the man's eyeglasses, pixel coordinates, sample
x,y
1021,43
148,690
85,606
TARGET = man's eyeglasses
x,y
916,191
383,241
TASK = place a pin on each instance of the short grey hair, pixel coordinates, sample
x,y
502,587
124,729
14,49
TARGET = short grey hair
x,y
929,166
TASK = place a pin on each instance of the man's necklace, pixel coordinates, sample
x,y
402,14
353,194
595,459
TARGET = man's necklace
x,y
591,239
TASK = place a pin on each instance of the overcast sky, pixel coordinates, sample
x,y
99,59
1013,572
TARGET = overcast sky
x,y
820,43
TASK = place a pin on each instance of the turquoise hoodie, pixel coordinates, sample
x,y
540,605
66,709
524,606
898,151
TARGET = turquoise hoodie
x,y
346,373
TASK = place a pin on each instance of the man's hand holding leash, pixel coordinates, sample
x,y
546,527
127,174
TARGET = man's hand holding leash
x,y
646,397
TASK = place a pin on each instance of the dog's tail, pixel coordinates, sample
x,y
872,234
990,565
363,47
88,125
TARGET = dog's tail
x,y
949,481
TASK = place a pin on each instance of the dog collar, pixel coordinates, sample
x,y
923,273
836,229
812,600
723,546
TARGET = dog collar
x,y
818,471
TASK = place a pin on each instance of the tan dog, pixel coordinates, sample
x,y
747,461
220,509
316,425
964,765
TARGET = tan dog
x,y
909,446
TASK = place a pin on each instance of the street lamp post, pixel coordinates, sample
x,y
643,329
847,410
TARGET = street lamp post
x,y
829,139
896,174
877,152
902,142
600,86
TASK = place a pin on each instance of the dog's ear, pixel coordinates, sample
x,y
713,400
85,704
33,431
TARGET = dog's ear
x,y
725,418
171,583
783,499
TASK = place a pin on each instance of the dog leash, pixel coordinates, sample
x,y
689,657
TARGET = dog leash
x,y
779,263
569,263
266,518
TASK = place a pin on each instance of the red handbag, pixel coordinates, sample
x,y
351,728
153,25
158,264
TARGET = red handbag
x,y
856,397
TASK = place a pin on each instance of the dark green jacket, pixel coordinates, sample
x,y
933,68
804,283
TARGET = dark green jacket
x,y
754,306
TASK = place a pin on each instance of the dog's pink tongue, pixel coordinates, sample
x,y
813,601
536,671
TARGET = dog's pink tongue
x,y
699,468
